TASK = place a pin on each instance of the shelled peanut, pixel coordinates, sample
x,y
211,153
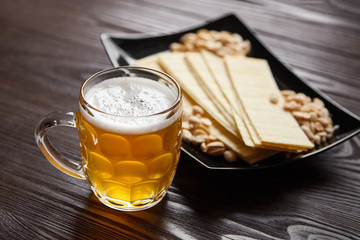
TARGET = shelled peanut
x,y
197,131
219,42
311,114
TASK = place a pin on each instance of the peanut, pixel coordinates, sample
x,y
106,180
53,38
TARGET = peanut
x,y
215,148
311,115
197,110
187,136
197,130
194,121
230,156
211,138
206,122
301,115
287,93
274,98
221,43
308,132
199,139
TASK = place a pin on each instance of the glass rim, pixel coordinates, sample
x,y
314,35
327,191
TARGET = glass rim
x,y
161,74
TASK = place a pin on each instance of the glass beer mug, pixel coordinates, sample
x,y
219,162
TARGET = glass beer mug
x,y
129,124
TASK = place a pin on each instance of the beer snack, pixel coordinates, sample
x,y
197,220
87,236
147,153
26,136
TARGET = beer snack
x,y
311,114
231,141
175,65
240,94
213,129
125,49
198,67
215,133
221,43
218,70
274,127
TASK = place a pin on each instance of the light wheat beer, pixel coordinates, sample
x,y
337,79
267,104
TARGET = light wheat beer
x,y
130,146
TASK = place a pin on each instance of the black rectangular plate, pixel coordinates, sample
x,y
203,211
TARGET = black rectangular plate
x,y
123,49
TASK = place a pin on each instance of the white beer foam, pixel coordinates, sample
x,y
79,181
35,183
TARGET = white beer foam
x,y
130,103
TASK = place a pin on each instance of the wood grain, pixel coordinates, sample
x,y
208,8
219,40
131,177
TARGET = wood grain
x,y
48,48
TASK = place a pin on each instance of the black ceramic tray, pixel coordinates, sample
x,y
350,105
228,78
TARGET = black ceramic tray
x,y
123,48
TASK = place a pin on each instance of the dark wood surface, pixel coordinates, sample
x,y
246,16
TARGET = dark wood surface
x,y
47,50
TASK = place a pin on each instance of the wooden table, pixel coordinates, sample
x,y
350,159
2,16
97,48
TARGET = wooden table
x,y
48,48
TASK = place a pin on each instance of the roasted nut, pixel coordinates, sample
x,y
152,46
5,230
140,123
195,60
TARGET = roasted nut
x,y
213,46
203,147
199,131
319,127
190,46
185,125
225,51
197,110
194,121
238,38
321,134
329,129
230,156
215,148
305,123
325,121
324,112
246,46
308,132
177,47
197,140
187,136
311,115
221,43
291,106
300,98
205,122
211,138
287,93
305,108
317,139
207,130
312,127
301,115
318,102
189,37
274,98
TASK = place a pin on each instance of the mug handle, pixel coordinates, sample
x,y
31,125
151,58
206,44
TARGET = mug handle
x,y
52,155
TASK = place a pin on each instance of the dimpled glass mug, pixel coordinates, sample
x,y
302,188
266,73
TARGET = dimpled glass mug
x,y
129,124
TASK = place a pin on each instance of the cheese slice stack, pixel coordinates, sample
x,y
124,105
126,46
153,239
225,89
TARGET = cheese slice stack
x,y
218,70
269,125
176,66
234,92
